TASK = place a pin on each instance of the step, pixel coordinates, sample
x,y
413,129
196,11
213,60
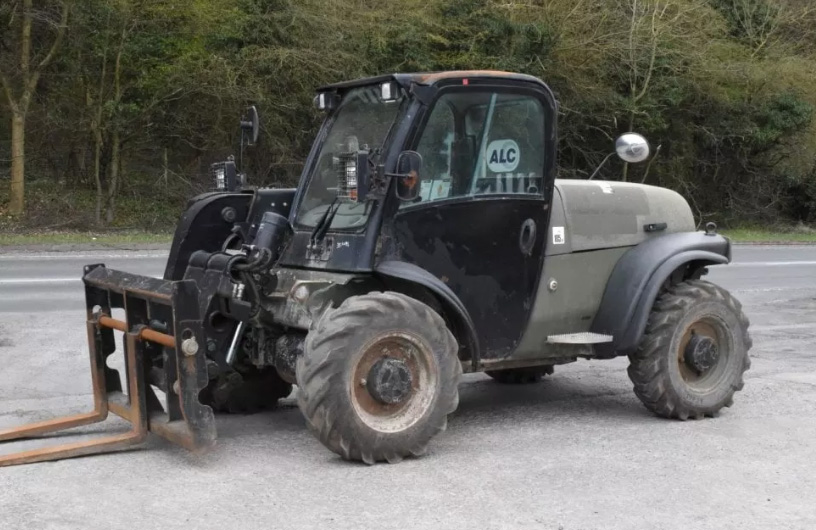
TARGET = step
x,y
579,338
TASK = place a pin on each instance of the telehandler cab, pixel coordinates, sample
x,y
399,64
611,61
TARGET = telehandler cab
x,y
428,237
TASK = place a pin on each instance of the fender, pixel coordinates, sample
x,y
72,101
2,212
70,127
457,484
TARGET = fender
x,y
203,226
453,307
638,277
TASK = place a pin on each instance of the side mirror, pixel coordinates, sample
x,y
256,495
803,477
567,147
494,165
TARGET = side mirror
x,y
251,124
632,148
409,165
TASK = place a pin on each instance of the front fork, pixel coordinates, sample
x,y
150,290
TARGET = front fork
x,y
162,320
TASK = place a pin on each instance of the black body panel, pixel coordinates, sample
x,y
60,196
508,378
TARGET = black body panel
x,y
637,278
207,223
453,305
268,200
338,251
203,226
474,247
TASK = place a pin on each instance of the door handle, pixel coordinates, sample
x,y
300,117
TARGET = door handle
x,y
527,237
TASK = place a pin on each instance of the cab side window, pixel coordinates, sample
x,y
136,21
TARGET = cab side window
x,y
482,143
436,148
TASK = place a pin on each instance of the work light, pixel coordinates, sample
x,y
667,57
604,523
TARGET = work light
x,y
352,175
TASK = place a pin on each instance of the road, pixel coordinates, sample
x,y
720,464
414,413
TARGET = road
x,y
575,452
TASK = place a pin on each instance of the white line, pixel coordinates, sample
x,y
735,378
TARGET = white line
x,y
23,281
772,289
776,327
40,257
773,264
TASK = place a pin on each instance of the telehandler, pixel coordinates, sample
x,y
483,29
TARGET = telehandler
x,y
428,237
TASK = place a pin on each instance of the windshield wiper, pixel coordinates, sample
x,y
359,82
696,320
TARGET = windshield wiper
x,y
324,223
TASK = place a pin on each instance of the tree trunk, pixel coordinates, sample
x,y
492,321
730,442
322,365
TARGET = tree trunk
x,y
19,105
98,176
166,167
113,180
16,204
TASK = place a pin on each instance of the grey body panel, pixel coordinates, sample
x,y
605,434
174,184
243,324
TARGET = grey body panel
x,y
600,214
571,308
593,225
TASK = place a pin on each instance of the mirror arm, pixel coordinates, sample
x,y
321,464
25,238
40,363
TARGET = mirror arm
x,y
602,164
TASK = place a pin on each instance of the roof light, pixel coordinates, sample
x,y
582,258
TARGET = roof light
x,y
388,91
326,100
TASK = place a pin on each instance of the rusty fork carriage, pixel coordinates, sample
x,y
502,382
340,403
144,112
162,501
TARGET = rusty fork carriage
x,y
163,340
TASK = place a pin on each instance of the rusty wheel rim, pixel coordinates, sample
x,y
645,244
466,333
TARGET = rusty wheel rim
x,y
711,330
420,363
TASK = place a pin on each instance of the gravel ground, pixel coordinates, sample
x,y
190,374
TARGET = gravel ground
x,y
577,451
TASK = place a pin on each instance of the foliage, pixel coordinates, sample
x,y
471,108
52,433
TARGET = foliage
x,y
724,87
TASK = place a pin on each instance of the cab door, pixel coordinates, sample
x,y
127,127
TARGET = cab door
x,y
480,223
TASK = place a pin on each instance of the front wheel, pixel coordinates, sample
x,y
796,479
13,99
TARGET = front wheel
x,y
378,377
694,352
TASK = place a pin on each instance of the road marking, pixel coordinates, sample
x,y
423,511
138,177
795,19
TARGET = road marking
x,y
777,327
23,281
772,289
56,257
773,264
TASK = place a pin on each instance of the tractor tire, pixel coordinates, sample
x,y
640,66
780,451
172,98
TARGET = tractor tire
x,y
245,390
520,376
693,354
378,377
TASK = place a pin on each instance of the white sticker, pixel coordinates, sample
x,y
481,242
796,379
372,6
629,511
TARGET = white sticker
x,y
558,235
503,156
432,190
606,187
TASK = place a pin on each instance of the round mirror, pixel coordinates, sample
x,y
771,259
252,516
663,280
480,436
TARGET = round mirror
x,y
632,147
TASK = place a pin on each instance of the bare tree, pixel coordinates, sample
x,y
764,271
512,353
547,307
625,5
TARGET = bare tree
x,y
20,93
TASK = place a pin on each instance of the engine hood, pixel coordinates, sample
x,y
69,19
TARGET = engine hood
x,y
590,214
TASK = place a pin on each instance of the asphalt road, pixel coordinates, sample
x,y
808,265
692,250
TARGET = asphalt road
x,y
575,452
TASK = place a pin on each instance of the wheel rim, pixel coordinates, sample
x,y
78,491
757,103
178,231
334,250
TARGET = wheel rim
x,y
704,353
408,399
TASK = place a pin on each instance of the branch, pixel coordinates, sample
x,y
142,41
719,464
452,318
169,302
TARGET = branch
x,y
63,26
31,82
7,89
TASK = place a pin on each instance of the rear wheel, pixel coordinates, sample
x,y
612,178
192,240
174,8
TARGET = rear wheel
x,y
520,376
694,352
378,377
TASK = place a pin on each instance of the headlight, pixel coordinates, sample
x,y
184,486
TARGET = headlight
x,y
225,176
219,173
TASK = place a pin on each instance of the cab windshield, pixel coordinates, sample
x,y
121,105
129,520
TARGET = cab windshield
x,y
362,121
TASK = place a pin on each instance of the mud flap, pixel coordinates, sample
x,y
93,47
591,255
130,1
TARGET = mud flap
x,y
163,348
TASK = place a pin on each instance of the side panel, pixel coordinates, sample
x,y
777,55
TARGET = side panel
x,y
581,279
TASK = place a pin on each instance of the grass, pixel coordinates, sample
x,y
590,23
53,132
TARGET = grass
x,y
799,234
59,215
91,238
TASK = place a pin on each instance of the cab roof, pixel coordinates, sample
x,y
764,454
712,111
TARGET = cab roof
x,y
430,78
